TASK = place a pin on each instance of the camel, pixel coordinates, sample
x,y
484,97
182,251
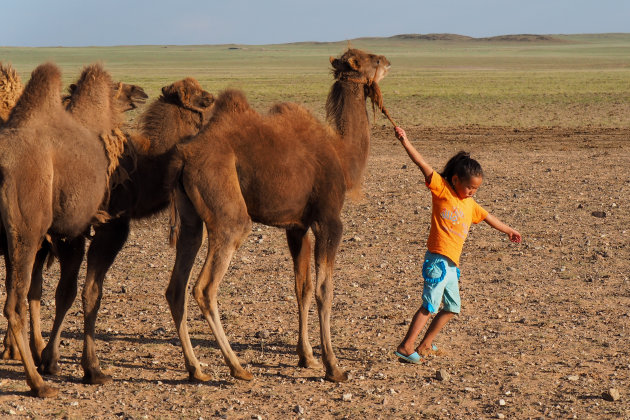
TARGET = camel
x,y
54,174
128,98
179,113
10,90
285,169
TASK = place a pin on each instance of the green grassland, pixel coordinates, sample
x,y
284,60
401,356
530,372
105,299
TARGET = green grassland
x,y
574,81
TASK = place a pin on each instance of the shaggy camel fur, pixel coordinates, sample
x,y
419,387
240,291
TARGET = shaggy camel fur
x,y
285,169
53,180
179,113
10,90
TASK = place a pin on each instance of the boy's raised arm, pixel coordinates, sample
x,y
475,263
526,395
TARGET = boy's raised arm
x,y
415,156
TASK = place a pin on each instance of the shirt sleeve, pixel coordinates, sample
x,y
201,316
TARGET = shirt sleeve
x,y
437,184
479,213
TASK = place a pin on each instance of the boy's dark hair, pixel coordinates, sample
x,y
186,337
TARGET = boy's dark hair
x,y
463,166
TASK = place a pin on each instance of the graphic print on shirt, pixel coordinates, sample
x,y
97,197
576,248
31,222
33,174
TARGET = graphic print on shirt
x,y
456,219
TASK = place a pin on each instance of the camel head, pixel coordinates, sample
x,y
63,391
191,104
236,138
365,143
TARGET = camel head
x,y
130,96
356,64
127,96
10,90
189,94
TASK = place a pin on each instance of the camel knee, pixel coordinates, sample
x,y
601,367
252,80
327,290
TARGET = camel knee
x,y
173,295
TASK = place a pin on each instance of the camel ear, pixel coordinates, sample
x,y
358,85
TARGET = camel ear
x,y
170,92
353,63
177,93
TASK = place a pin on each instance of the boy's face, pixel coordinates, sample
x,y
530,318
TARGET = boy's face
x,y
468,187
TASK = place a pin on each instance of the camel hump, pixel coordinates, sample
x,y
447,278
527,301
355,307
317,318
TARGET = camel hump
x,y
93,72
231,101
10,90
84,89
41,96
284,108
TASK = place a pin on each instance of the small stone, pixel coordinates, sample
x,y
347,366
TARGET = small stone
x,y
580,206
500,416
501,402
264,334
600,214
442,375
573,378
346,397
298,409
611,395
404,166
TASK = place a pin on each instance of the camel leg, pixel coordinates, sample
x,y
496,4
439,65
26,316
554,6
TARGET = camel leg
x,y
11,350
327,238
300,247
190,238
70,258
222,243
107,242
17,286
34,302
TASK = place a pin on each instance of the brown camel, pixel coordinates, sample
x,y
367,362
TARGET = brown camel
x,y
128,97
285,169
179,113
10,90
53,179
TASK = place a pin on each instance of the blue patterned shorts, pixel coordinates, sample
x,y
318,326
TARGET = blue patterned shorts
x,y
441,284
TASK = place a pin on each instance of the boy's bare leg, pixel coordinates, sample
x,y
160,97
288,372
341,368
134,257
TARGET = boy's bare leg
x,y
417,325
435,327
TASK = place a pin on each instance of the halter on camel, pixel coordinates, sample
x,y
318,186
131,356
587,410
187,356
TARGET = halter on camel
x,y
373,92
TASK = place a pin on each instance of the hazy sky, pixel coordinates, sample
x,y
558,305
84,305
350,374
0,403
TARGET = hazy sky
x,y
134,22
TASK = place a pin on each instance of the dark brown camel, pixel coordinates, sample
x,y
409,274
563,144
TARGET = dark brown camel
x,y
53,179
178,114
285,169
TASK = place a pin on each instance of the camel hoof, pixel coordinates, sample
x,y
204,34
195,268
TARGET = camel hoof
x,y
242,374
11,354
45,391
49,368
96,378
198,377
338,376
309,363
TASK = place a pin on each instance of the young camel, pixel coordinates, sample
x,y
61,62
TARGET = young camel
x,y
285,169
53,180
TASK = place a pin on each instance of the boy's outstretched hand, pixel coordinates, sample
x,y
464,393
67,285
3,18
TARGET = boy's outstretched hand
x,y
514,236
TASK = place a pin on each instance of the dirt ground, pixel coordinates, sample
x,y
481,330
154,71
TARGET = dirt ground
x,y
543,331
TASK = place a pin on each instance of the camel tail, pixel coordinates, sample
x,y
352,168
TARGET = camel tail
x,y
173,182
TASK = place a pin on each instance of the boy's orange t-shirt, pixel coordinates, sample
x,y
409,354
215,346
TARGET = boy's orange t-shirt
x,y
451,219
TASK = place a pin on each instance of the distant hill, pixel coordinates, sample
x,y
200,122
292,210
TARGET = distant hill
x,y
455,37
434,37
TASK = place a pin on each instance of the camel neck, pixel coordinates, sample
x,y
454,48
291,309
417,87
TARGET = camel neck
x,y
350,115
